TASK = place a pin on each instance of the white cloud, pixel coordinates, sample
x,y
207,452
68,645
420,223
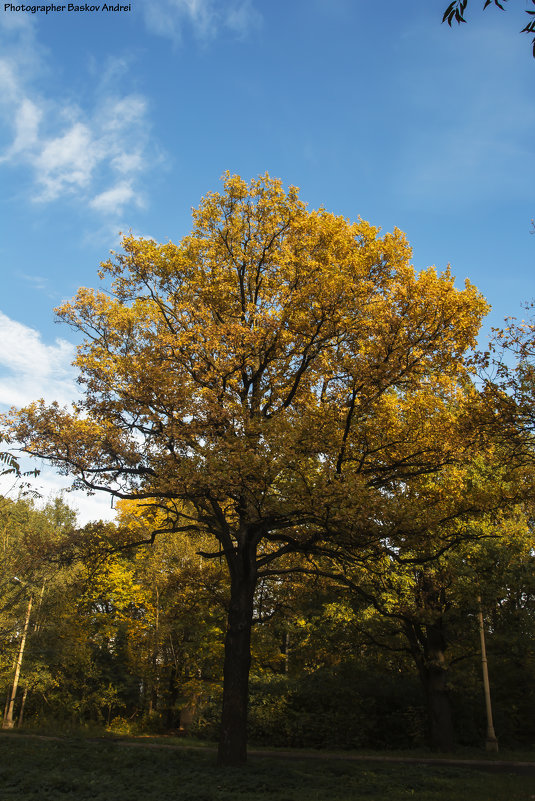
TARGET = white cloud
x,y
88,154
65,162
91,154
113,200
31,369
127,162
111,72
120,113
8,81
38,282
49,485
207,18
241,17
27,120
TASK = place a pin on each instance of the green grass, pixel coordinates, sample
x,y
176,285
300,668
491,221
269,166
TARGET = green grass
x,y
78,769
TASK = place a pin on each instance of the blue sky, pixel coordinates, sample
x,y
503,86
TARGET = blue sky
x,y
113,121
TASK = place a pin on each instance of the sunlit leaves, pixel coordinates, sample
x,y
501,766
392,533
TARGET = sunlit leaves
x,y
273,381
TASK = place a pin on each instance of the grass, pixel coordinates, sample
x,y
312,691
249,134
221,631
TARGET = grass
x,y
78,769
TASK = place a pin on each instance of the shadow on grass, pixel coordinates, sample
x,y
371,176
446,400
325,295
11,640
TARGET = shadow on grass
x,y
79,768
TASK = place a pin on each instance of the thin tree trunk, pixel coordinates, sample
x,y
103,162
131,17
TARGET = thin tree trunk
x,y
286,650
154,676
491,743
172,695
8,717
22,705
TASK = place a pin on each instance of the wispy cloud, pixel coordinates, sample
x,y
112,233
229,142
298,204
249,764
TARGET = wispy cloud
x,y
31,369
38,282
114,199
27,119
95,155
206,18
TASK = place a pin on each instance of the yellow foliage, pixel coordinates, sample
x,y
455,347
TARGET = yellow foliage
x,y
277,369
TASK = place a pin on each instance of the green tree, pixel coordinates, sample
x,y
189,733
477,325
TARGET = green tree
x,y
427,607
29,572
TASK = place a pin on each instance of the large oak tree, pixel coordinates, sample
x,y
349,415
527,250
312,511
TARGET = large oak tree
x,y
268,380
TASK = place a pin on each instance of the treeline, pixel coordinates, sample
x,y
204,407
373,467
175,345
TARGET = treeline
x,y
386,657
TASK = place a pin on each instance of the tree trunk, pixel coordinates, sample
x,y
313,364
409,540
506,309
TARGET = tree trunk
x,y
172,695
428,644
154,672
8,716
441,734
433,672
286,650
22,705
233,735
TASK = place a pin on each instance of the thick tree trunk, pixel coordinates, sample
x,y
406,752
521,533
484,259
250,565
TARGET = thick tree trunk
x,y
433,671
428,644
233,735
441,733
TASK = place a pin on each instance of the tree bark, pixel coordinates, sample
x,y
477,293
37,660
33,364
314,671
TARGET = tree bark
x,y
172,695
433,671
428,643
441,733
491,742
8,716
22,705
233,734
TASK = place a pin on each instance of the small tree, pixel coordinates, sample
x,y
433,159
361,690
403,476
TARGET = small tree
x,y
265,381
